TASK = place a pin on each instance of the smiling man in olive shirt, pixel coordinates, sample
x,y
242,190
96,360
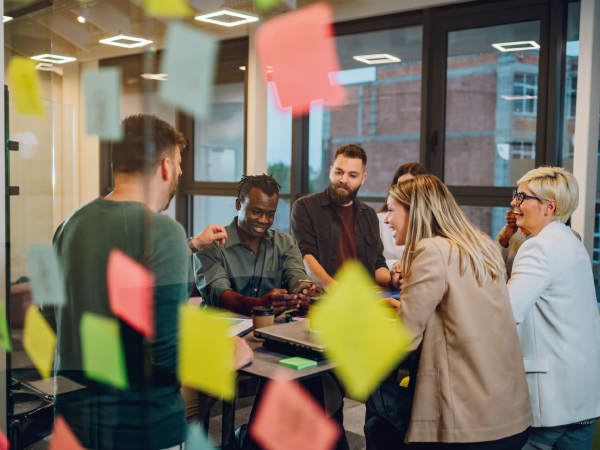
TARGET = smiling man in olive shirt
x,y
257,266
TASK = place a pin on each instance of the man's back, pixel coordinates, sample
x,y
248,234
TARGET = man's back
x,y
103,416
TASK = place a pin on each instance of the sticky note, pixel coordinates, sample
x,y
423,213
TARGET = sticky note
x,y
4,332
266,5
46,277
359,337
25,86
102,350
190,72
404,382
64,438
206,353
197,439
297,51
288,418
102,91
131,292
39,341
167,8
297,363
4,443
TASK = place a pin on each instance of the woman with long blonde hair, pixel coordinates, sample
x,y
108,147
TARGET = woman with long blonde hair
x,y
470,385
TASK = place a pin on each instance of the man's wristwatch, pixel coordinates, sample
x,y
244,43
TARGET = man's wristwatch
x,y
191,245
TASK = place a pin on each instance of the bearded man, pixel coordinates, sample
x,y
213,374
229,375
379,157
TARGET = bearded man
x,y
333,227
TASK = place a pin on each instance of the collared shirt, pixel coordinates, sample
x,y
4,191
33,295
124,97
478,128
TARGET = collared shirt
x,y
235,266
316,227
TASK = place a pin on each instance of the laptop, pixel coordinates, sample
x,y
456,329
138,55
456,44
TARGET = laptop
x,y
291,339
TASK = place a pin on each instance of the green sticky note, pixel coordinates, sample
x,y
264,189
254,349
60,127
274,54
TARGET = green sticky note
x,y
4,330
102,350
266,5
297,363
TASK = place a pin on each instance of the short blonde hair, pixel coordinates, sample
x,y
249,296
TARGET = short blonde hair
x,y
556,183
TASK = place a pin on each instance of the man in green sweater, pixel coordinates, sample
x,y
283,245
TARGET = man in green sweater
x,y
150,413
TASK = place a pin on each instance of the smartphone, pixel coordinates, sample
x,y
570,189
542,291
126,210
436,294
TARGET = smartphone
x,y
300,286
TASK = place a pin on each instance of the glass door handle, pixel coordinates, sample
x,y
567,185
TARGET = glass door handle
x,y
14,146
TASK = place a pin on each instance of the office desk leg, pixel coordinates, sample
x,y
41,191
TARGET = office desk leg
x,y
227,425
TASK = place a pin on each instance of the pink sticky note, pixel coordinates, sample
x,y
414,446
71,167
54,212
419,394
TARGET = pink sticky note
x,y
289,419
64,438
297,51
4,444
130,291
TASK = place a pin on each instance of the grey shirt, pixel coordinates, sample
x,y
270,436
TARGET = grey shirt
x,y
235,267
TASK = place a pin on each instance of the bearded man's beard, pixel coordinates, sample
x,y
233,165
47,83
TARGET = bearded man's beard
x,y
339,198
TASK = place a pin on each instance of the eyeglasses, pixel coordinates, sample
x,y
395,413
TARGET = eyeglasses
x,y
521,197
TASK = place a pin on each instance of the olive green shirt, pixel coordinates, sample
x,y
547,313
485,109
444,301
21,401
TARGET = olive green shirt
x,y
235,267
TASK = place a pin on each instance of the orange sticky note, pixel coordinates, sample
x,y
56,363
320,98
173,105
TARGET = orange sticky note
x,y
25,86
130,292
39,341
298,52
64,438
289,419
4,444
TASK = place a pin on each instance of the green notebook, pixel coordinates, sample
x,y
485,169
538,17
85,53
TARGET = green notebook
x,y
297,363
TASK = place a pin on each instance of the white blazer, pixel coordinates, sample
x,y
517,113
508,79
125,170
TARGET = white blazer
x,y
391,251
554,303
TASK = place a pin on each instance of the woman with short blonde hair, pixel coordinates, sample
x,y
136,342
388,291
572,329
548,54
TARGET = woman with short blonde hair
x,y
470,384
554,303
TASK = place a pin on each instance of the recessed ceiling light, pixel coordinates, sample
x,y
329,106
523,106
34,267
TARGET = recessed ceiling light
x,y
229,17
125,41
242,67
55,59
81,19
518,97
6,18
49,68
155,76
514,46
382,58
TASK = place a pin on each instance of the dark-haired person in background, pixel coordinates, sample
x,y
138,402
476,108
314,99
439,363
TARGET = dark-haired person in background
x,y
333,226
391,251
101,415
256,266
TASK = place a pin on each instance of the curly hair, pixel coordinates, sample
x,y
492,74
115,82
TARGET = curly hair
x,y
266,183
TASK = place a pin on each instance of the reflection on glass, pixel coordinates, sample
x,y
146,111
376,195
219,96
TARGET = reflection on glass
x,y
212,209
382,113
282,217
219,140
570,87
491,105
279,140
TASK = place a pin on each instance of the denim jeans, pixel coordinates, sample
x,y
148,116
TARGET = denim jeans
x,y
564,437
390,406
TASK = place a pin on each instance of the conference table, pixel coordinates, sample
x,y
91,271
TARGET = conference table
x,y
264,367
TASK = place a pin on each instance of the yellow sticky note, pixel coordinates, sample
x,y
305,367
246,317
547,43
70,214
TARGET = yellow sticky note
x,y
39,341
357,331
25,86
167,8
206,353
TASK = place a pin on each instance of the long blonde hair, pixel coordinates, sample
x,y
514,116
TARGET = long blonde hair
x,y
434,212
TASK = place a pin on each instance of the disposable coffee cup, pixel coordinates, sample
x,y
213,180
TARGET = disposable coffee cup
x,y
262,316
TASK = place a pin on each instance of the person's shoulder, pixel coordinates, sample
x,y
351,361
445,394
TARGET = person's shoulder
x,y
283,238
166,224
436,244
310,199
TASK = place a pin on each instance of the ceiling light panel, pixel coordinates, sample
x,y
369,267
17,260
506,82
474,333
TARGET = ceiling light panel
x,y
125,41
6,18
514,46
155,76
518,97
227,17
382,58
54,59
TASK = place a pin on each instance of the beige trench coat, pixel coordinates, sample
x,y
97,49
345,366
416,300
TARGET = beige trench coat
x,y
471,384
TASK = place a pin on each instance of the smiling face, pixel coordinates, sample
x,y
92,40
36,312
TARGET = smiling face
x,y
532,214
397,219
346,176
256,212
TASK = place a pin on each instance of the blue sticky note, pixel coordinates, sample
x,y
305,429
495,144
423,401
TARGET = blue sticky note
x,y
102,90
45,274
197,439
189,62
